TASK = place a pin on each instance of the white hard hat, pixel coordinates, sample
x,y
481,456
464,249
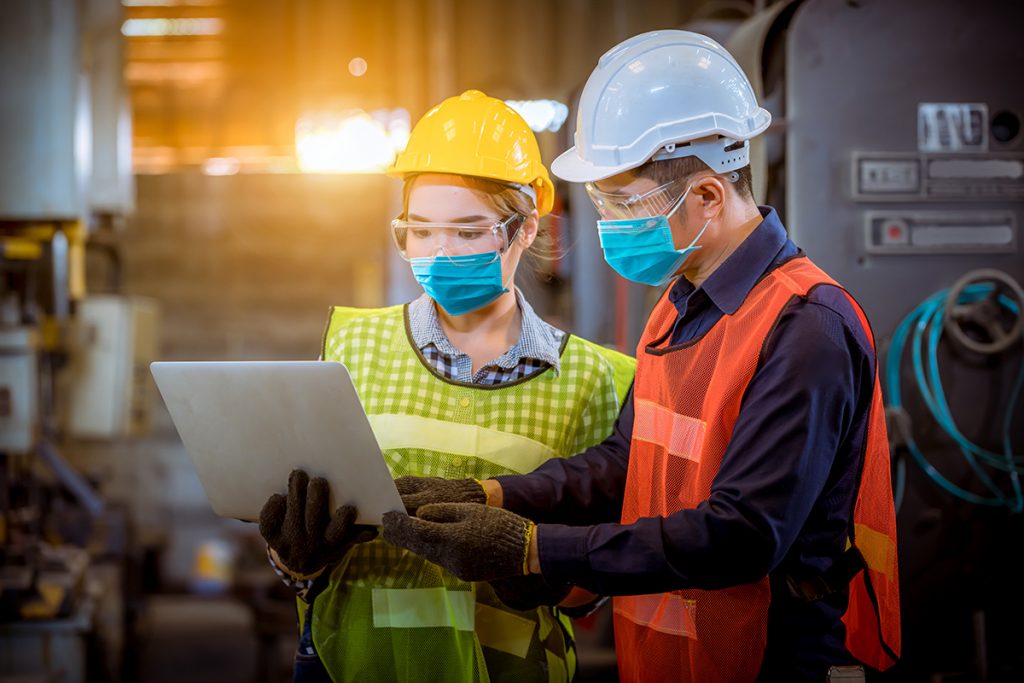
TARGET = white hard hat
x,y
662,95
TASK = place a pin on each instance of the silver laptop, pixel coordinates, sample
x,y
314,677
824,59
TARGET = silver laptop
x,y
247,425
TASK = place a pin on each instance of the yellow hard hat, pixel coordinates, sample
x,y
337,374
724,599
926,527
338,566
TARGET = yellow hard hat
x,y
476,135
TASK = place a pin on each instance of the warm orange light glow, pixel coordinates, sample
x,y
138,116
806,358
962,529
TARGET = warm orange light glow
x,y
357,67
349,143
135,28
221,166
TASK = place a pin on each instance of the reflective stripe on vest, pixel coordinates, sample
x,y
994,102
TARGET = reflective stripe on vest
x,y
387,614
511,451
687,401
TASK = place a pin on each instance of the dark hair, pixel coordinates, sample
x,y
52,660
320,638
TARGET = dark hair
x,y
671,169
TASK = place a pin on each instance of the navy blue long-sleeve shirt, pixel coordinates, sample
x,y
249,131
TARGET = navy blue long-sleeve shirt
x,y
782,501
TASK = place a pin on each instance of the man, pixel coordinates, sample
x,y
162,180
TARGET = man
x,y
741,513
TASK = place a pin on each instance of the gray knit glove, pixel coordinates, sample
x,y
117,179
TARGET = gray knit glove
x,y
528,592
301,529
419,491
472,541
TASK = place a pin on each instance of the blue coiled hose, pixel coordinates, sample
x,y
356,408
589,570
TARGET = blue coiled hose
x,y
923,326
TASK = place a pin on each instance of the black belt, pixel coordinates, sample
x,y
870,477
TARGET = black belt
x,y
833,580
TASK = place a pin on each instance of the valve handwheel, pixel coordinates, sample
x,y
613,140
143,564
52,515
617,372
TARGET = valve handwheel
x,y
985,313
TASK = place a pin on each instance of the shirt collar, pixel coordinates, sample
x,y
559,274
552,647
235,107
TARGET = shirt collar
x,y
732,281
537,339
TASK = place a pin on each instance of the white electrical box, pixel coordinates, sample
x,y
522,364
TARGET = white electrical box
x,y
109,383
19,403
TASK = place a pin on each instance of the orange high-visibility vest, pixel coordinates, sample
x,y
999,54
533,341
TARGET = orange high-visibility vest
x,y
686,402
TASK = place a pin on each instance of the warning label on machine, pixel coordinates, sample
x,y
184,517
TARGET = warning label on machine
x,y
952,127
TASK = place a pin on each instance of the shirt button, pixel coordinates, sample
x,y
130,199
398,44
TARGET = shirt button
x,y
464,402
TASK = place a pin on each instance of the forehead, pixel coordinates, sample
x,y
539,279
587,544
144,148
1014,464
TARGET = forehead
x,y
443,198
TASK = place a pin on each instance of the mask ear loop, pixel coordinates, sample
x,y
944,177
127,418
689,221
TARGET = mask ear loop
x,y
693,244
732,177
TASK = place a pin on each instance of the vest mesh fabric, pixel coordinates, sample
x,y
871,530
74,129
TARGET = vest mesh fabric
x,y
687,400
365,624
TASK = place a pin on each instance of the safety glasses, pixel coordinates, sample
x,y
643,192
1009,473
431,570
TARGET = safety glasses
x,y
417,239
655,202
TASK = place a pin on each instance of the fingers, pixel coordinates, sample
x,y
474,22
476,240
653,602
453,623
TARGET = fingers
x,y
413,501
396,528
416,491
272,517
294,518
298,481
426,539
407,485
340,524
447,513
318,495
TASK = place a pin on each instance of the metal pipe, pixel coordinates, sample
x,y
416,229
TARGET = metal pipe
x,y
59,263
71,480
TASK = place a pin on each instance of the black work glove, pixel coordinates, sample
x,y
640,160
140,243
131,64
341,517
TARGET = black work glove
x,y
474,542
301,529
528,592
419,491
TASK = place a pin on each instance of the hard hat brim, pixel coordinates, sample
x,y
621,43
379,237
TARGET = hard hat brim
x,y
569,167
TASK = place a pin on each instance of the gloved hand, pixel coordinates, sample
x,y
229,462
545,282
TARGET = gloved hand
x,y
301,530
419,491
472,541
528,592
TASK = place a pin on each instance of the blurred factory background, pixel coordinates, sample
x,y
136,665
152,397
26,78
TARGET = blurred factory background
x,y
201,179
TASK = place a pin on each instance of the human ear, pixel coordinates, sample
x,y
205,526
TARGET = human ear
x,y
711,193
528,230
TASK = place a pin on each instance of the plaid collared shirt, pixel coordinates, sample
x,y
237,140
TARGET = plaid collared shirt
x,y
537,349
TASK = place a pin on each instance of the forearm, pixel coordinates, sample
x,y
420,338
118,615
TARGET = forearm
x,y
697,548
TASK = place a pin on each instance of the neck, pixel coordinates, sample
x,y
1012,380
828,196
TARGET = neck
x,y
500,318
727,238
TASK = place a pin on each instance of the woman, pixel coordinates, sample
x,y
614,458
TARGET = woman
x,y
466,381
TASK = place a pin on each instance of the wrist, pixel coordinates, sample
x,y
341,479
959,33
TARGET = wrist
x,y
533,553
492,489
276,560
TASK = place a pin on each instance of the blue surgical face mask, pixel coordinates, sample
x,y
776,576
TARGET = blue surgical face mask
x,y
460,284
642,249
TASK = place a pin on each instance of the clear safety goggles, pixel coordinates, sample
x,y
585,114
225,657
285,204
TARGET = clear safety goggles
x,y
417,239
655,202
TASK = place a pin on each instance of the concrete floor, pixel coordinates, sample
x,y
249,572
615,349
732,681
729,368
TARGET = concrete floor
x,y
204,640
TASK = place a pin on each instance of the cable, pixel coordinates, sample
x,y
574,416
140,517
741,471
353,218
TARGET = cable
x,y
924,328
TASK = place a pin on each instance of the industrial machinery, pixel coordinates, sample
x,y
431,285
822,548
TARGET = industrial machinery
x,y
896,160
65,365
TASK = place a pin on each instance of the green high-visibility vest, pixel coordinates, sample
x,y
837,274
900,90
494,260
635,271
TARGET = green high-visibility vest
x,y
389,615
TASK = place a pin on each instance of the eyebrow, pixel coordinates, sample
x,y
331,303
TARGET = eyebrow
x,y
463,219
